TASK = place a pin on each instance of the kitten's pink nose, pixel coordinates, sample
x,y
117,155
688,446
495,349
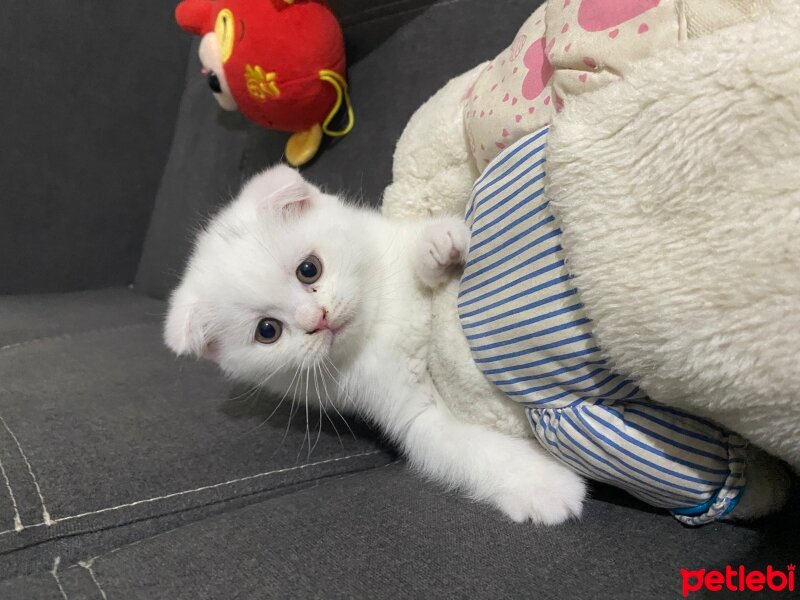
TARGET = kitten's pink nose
x,y
322,322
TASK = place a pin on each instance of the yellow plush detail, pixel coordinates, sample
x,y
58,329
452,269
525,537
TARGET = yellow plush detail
x,y
224,30
303,145
260,84
340,85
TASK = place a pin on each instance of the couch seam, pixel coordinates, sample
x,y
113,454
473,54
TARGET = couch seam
x,y
68,335
87,564
58,520
17,517
324,481
54,573
45,514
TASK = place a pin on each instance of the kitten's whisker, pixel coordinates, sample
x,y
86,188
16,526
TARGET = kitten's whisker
x,y
319,401
247,392
335,430
328,401
261,384
341,389
308,431
294,399
333,366
280,402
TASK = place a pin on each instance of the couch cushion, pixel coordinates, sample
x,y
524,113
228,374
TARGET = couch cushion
x,y
213,151
386,533
105,437
27,318
89,104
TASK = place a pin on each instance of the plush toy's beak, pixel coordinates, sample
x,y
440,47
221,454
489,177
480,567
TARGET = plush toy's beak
x,y
194,16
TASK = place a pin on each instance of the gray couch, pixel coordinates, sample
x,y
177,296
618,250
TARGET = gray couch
x,y
128,473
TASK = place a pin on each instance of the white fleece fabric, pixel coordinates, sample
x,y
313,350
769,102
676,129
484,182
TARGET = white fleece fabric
x,y
432,170
678,192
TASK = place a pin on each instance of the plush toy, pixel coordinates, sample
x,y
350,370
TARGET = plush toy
x,y
563,50
280,62
672,189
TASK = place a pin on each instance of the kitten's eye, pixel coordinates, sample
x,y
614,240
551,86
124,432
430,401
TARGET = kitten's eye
x,y
268,331
309,270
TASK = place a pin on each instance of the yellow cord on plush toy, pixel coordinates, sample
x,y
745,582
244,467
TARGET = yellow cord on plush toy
x,y
303,145
340,85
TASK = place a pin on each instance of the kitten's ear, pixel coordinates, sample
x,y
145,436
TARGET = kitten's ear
x,y
289,194
184,328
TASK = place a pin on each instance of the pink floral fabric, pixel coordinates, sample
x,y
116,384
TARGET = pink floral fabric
x,y
566,47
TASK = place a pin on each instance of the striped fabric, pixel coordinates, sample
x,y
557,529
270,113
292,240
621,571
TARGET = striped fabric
x,y
531,337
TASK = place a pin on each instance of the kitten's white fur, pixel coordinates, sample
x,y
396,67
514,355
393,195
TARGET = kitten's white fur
x,y
379,280
398,356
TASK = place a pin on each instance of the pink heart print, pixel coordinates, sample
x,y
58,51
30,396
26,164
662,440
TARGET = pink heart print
x,y
468,95
598,15
539,70
517,46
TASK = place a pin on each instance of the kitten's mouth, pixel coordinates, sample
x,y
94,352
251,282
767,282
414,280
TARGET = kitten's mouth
x,y
334,330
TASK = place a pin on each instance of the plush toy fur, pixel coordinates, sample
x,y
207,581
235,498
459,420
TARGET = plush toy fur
x,y
433,171
679,192
679,195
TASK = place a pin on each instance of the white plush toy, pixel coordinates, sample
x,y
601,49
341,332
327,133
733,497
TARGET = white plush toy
x,y
673,167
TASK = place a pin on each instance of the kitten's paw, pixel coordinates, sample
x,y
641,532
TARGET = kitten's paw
x,y
441,250
547,499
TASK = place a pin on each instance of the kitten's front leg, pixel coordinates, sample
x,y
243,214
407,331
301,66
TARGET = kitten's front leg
x,y
515,475
441,250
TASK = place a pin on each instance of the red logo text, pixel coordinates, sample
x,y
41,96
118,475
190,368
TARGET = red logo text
x,y
738,580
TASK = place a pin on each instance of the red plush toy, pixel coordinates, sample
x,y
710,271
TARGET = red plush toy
x,y
280,62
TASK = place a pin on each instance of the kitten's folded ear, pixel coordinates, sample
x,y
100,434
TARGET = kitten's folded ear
x,y
284,191
184,328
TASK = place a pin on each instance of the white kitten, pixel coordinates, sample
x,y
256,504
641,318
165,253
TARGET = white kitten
x,y
293,290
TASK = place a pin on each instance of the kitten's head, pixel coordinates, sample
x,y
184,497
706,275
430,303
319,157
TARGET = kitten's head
x,y
276,281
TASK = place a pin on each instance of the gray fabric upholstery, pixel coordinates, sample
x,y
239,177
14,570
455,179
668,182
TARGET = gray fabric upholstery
x,y
212,153
30,317
124,439
161,480
369,23
385,533
89,99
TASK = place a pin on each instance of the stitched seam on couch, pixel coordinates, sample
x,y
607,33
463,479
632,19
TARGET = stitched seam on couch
x,y
223,484
318,483
69,335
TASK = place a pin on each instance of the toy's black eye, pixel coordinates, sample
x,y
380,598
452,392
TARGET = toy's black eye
x,y
268,331
309,270
213,83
